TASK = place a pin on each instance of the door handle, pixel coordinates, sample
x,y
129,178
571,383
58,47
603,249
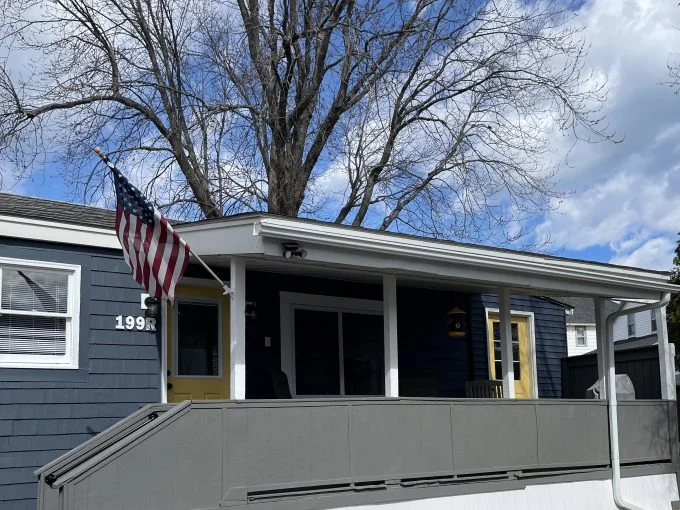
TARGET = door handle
x,y
169,386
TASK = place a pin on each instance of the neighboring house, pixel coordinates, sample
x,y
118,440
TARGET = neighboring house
x,y
638,329
581,332
365,315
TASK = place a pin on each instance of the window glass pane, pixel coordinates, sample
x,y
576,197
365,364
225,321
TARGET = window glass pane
x,y
198,339
498,355
363,348
34,290
25,334
317,360
580,335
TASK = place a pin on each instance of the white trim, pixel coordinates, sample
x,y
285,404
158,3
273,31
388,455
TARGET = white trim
x,y
507,362
52,231
531,334
289,301
175,336
70,359
164,351
237,325
601,344
531,266
391,336
666,357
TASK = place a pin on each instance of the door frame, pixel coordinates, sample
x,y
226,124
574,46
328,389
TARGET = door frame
x,y
289,301
531,341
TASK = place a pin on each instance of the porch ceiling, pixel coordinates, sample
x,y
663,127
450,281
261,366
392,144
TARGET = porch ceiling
x,y
365,255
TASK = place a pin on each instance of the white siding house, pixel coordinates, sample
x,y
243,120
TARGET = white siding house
x,y
581,339
640,326
581,333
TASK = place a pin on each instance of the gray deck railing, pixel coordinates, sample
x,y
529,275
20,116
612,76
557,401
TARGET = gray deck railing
x,y
216,454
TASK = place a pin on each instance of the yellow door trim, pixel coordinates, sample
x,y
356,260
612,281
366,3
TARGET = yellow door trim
x,y
526,386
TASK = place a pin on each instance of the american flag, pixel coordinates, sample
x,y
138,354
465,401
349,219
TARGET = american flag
x,y
156,254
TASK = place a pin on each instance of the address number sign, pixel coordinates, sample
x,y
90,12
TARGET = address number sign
x,y
130,322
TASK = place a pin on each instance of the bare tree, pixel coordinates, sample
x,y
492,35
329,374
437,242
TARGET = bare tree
x,y
433,115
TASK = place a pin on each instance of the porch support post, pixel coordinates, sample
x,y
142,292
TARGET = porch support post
x,y
237,326
666,357
601,334
506,344
390,335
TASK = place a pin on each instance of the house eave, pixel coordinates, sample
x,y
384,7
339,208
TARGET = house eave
x,y
57,232
408,255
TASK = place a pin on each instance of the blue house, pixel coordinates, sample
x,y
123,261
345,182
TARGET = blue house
x,y
419,333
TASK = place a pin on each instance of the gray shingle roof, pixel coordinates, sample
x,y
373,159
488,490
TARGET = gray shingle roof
x,y
53,210
584,309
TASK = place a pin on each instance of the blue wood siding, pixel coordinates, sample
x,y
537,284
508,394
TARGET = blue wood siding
x,y
551,338
430,362
44,413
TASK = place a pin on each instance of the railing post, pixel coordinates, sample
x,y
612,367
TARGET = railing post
x,y
506,344
390,336
601,335
237,323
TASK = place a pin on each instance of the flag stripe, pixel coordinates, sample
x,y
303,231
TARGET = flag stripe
x,y
156,254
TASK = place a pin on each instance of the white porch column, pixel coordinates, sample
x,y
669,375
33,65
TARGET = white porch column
x,y
506,344
601,334
666,357
237,326
390,335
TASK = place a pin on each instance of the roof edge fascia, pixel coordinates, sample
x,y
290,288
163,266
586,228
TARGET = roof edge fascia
x,y
478,256
57,232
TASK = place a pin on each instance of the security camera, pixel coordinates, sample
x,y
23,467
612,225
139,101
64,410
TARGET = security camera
x,y
291,250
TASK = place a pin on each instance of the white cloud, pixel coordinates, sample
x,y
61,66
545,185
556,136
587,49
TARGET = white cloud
x,y
653,254
626,194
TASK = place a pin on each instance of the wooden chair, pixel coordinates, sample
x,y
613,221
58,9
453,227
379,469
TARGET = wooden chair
x,y
484,389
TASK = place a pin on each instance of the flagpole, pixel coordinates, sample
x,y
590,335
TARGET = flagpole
x,y
227,289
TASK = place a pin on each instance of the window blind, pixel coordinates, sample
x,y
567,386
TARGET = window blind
x,y
26,334
34,290
33,312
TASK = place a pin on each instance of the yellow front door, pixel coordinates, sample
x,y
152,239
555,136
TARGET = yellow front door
x,y
520,353
198,345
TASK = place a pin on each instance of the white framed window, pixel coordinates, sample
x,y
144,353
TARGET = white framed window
x,y
39,314
581,336
652,313
631,325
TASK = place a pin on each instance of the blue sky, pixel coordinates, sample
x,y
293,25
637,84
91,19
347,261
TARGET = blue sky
x,y
624,207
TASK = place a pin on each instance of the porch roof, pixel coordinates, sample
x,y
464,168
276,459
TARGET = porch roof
x,y
259,237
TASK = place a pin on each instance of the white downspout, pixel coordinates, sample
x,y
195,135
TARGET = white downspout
x,y
611,398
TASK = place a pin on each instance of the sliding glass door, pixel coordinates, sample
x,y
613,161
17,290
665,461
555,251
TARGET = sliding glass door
x,y
334,346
